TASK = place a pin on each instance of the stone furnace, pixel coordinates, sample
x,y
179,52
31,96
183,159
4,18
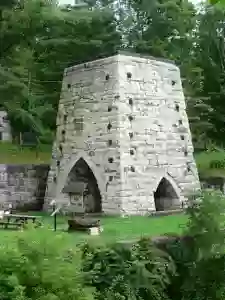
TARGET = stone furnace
x,y
122,129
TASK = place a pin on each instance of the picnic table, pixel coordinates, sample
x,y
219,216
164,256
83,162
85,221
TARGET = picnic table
x,y
23,218
17,221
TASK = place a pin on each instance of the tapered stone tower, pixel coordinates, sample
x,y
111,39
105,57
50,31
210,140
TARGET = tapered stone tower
x,y
123,143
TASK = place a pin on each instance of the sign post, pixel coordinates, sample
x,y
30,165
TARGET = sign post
x,y
54,213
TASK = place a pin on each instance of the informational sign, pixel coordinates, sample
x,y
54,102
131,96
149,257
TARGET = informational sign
x,y
55,211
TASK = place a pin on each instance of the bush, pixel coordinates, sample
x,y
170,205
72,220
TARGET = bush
x,y
119,272
42,265
207,223
199,255
39,264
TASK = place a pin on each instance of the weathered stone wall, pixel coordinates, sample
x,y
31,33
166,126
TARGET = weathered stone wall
x,y
217,183
152,108
89,94
125,116
23,186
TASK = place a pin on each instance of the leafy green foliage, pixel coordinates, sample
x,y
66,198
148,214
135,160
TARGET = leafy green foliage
x,y
207,223
210,58
199,254
39,40
37,264
41,264
117,272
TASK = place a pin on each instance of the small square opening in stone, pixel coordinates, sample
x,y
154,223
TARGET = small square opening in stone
x,y
110,142
91,153
173,82
5,119
131,135
182,137
132,168
110,178
54,178
109,126
63,132
107,77
131,118
110,160
109,108
129,75
180,122
65,118
58,163
177,107
131,151
185,153
130,101
68,85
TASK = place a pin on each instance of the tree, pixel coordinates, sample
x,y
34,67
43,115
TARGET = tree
x,y
43,39
210,58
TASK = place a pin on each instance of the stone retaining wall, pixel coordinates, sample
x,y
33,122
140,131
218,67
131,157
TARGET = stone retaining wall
x,y
217,183
23,186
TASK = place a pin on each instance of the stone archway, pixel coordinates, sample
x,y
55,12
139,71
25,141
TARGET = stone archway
x,y
82,185
166,196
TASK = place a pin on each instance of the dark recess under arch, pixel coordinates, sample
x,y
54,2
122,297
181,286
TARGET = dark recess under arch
x,y
165,196
81,172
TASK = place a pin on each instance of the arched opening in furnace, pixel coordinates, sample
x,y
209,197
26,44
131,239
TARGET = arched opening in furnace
x,y
165,196
82,189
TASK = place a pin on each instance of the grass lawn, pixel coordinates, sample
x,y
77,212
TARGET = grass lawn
x,y
203,161
125,229
14,154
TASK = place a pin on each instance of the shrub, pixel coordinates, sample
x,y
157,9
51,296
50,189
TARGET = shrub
x,y
119,272
39,264
207,223
199,255
205,280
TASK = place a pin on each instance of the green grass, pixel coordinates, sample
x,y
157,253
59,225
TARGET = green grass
x,y
125,229
14,154
203,161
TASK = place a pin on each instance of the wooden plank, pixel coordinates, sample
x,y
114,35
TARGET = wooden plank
x,y
6,225
10,223
23,216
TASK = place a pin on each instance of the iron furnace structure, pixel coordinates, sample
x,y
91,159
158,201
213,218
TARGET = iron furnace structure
x,y
123,134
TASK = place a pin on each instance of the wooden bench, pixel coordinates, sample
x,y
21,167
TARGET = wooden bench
x,y
22,218
16,221
11,225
